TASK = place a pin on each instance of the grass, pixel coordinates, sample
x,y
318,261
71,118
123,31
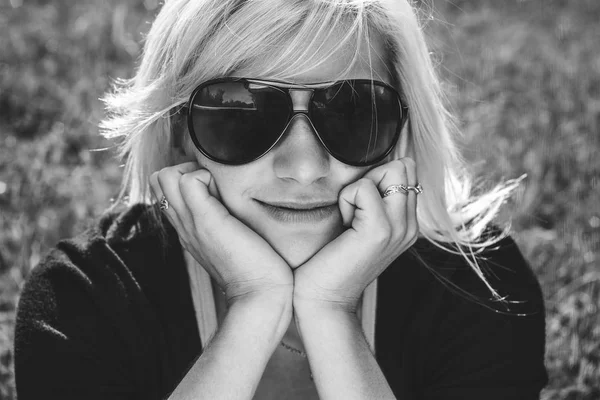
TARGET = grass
x,y
522,76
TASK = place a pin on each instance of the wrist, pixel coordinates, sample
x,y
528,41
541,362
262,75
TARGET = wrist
x,y
312,308
325,304
277,293
273,309
313,296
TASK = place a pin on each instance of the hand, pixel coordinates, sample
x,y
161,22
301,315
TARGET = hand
x,y
379,230
236,257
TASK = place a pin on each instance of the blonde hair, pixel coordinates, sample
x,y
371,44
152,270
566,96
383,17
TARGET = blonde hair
x,y
193,41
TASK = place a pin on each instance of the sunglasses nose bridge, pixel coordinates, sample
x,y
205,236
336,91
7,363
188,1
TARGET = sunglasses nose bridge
x,y
300,106
300,99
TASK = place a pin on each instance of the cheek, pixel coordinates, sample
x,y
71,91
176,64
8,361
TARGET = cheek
x,y
221,177
230,193
348,174
231,183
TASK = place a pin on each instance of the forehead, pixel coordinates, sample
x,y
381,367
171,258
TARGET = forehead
x,y
335,65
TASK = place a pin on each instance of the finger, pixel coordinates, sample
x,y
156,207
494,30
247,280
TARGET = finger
x,y
167,183
154,186
197,188
361,207
158,195
395,205
412,224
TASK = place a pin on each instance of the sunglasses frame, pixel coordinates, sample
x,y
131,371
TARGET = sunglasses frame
x,y
403,108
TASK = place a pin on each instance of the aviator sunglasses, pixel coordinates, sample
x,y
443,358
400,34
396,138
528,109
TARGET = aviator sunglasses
x,y
238,120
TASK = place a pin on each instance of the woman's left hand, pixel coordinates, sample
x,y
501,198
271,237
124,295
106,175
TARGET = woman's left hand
x,y
378,231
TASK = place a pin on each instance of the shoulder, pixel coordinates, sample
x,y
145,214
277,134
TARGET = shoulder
x,y
503,266
99,266
459,341
498,342
459,290
506,271
85,325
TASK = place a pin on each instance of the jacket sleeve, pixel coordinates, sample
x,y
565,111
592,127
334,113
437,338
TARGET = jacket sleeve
x,y
486,349
66,343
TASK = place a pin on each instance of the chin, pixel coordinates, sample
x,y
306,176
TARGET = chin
x,y
296,251
296,256
295,243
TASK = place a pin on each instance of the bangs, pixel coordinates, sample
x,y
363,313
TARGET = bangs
x,y
282,40
305,39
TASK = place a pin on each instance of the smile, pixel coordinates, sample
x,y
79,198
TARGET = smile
x,y
299,213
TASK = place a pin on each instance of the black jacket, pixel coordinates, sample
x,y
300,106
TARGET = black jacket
x,y
106,315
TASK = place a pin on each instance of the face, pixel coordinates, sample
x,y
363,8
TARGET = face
x,y
298,173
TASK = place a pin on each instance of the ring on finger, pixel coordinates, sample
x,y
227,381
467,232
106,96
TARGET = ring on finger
x,y
417,188
402,189
164,203
395,189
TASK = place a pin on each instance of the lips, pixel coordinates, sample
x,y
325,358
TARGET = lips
x,y
300,206
294,212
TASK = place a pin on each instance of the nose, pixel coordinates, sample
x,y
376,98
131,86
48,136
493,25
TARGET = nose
x,y
300,156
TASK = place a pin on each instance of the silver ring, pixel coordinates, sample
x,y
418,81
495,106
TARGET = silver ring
x,y
402,189
395,189
164,204
417,189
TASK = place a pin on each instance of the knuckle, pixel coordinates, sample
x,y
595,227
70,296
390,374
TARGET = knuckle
x,y
162,175
186,182
358,186
365,183
345,190
409,162
185,179
361,182
398,165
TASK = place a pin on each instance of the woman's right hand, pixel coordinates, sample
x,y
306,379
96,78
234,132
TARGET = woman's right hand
x,y
240,261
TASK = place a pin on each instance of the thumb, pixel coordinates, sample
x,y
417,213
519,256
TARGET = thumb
x,y
360,204
347,204
212,187
198,196
204,176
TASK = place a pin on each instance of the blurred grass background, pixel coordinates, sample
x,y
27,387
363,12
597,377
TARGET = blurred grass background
x,y
523,76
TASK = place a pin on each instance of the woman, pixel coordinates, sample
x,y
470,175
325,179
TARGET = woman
x,y
298,225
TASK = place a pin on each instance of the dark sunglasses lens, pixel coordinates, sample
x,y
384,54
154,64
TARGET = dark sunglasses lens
x,y
359,122
235,122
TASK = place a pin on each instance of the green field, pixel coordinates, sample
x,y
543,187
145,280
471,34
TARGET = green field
x,y
523,77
